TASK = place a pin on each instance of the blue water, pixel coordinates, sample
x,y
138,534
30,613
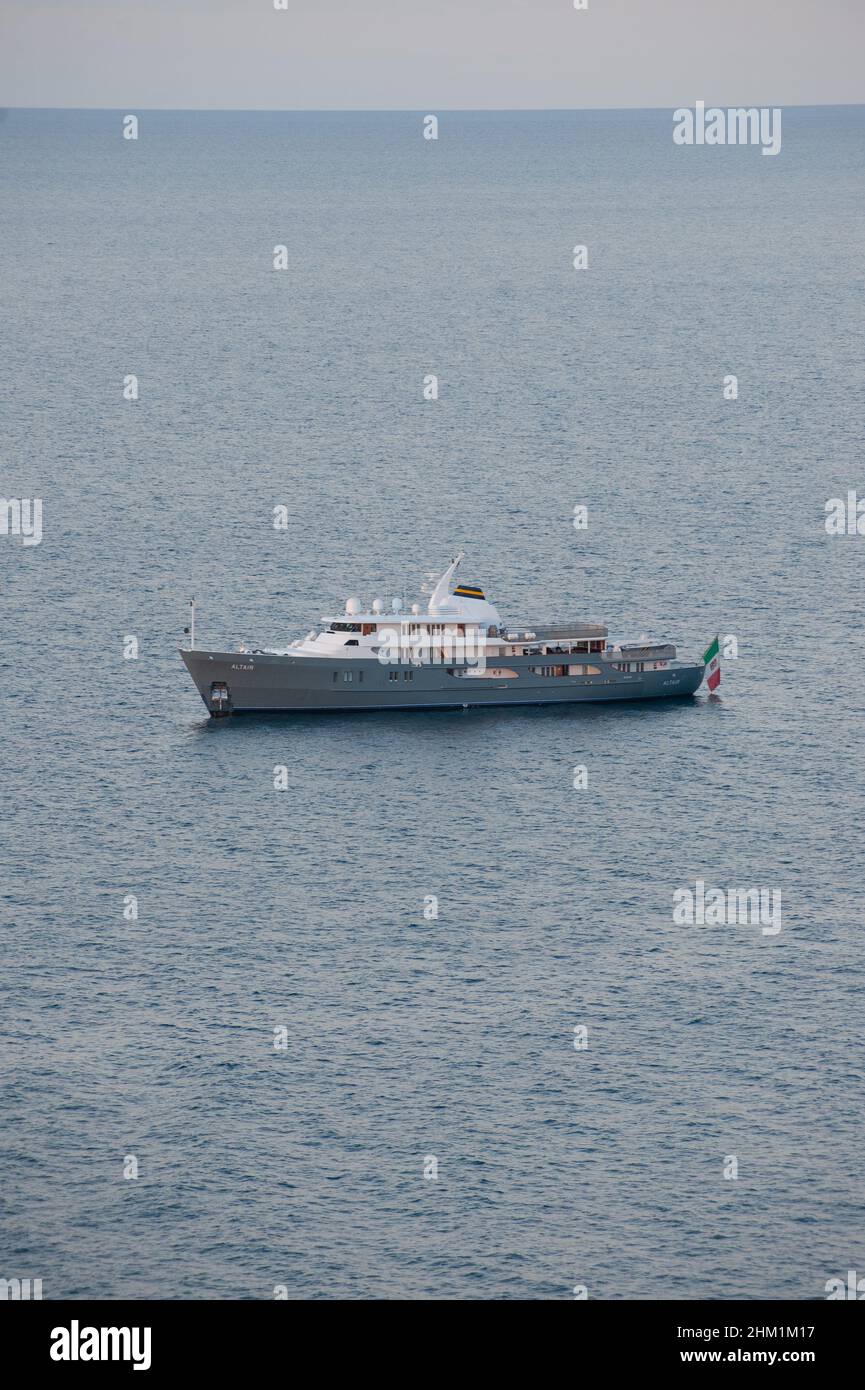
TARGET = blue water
x,y
303,909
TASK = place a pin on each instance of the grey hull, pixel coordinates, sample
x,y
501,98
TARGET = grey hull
x,y
261,682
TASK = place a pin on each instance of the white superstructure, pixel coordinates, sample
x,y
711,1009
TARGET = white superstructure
x,y
457,618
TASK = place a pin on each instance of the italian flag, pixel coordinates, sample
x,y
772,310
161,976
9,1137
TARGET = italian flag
x,y
712,663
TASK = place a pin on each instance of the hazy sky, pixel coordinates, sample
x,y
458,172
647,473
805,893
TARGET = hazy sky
x,y
429,54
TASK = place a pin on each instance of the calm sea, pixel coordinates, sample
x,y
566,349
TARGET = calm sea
x,y
409,1039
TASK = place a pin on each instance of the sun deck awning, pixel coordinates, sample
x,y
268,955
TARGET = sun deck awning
x,y
562,632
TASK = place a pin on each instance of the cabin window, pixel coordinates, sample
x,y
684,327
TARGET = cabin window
x,y
408,675
393,675
335,674
347,675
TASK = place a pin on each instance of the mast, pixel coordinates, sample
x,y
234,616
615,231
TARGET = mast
x,y
442,590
